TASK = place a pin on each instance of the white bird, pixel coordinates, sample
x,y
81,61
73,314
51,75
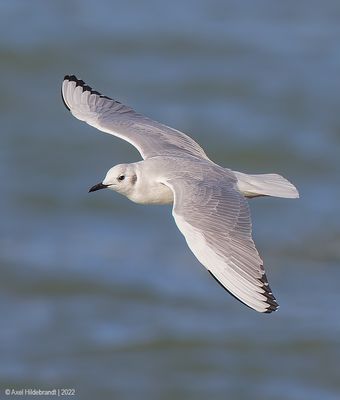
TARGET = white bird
x,y
209,201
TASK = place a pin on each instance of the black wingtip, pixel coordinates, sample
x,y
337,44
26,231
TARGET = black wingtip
x,y
85,87
73,78
270,299
79,82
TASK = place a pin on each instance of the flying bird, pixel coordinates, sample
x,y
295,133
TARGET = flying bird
x,y
210,204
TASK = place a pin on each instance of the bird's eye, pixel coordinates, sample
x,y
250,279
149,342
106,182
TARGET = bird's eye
x,y
121,177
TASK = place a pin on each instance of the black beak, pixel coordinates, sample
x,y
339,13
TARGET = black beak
x,y
97,187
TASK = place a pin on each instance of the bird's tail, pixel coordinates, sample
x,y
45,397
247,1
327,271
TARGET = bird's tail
x,y
265,185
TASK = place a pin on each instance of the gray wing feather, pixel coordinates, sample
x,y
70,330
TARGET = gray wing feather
x,y
151,138
215,220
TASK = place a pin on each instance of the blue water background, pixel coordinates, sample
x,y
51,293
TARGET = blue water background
x,y
103,295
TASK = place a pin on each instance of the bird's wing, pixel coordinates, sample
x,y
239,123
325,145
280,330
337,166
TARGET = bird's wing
x,y
215,221
151,138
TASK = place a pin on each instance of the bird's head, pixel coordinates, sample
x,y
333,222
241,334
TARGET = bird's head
x,y
120,178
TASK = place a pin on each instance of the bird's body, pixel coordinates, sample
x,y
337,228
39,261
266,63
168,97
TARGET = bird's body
x,y
209,201
152,173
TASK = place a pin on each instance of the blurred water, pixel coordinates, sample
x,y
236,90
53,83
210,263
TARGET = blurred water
x,y
102,295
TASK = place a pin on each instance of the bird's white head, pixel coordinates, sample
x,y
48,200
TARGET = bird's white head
x,y
120,178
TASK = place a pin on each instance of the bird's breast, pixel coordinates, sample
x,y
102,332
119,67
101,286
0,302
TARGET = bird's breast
x,y
153,193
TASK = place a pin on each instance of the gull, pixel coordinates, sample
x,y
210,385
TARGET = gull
x,y
209,201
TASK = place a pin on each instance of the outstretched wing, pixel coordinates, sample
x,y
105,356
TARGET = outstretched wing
x,y
215,220
149,137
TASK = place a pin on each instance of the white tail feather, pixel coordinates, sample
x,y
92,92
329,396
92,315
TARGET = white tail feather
x,y
265,185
